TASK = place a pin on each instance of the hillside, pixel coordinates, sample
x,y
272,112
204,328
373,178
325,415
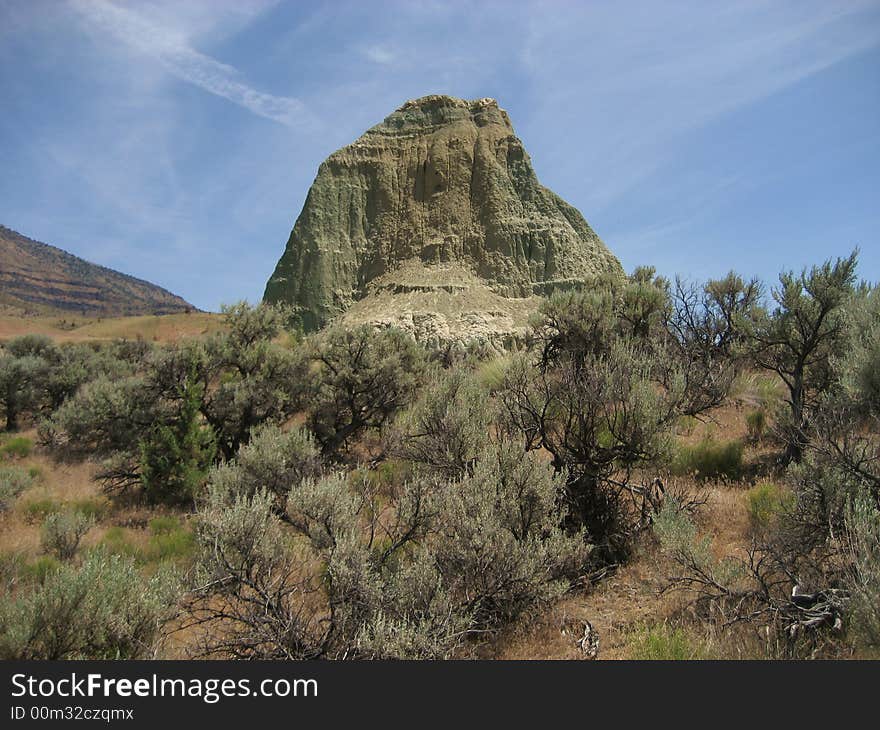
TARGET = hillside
x,y
36,278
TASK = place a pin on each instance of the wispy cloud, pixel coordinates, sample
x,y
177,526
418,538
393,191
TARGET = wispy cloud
x,y
379,54
638,85
174,51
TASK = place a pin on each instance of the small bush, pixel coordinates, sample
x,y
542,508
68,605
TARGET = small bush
x,y
173,545
662,643
361,379
447,427
37,510
169,541
13,481
104,609
62,533
18,446
490,374
710,459
164,525
94,509
756,424
863,541
116,541
35,473
11,566
685,425
769,390
766,502
175,458
38,570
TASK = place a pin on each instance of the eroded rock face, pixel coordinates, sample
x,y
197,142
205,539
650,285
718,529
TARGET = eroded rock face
x,y
440,181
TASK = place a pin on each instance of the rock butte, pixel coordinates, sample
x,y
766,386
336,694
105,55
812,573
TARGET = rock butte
x,y
434,220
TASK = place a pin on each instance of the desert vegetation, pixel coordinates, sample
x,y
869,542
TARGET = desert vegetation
x,y
354,494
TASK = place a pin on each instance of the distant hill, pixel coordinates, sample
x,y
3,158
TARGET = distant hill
x,y
39,278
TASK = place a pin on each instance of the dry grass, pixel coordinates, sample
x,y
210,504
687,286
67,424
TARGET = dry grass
x,y
153,328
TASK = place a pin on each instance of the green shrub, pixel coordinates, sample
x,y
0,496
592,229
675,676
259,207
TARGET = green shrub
x,y
361,379
11,566
163,525
21,381
35,473
685,425
91,507
175,458
116,541
18,446
662,643
62,533
756,424
41,568
710,459
13,481
447,427
169,541
274,460
490,374
766,502
177,544
36,510
769,390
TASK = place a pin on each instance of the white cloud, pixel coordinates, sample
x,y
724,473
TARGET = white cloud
x,y
171,47
379,54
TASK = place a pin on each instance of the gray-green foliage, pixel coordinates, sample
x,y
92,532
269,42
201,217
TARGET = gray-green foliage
x,y
103,609
863,542
187,404
251,584
273,460
613,367
799,338
595,414
107,416
70,366
499,545
360,378
30,346
679,539
447,427
842,453
824,540
677,534
20,377
13,481
406,574
258,381
37,376
62,532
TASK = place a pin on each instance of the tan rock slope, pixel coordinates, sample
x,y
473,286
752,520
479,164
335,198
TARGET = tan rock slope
x,y
434,220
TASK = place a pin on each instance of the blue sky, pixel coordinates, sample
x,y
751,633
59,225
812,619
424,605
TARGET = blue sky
x,y
177,141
